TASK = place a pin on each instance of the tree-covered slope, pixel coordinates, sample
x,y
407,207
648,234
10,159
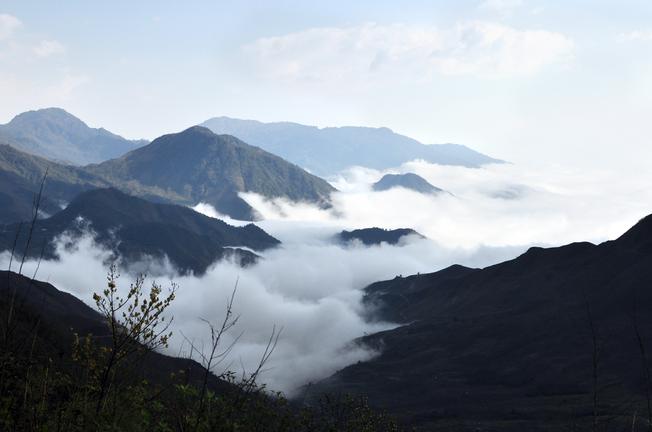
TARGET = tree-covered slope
x,y
21,175
134,228
197,165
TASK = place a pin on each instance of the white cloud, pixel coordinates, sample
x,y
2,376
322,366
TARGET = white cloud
x,y
209,210
312,287
638,35
46,48
498,205
309,287
395,52
8,24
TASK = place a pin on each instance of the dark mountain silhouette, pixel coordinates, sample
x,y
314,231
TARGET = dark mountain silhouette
x,y
197,165
327,151
16,199
408,181
57,135
134,228
375,236
57,351
59,315
511,347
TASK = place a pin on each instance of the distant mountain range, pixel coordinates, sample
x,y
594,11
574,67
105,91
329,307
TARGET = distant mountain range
x,y
375,236
326,151
197,165
184,168
512,347
57,135
407,181
134,228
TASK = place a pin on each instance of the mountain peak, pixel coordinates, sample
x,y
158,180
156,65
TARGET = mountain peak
x,y
196,165
56,134
200,135
408,181
639,236
201,130
376,236
47,115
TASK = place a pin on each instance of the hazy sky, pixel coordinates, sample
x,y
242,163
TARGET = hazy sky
x,y
525,80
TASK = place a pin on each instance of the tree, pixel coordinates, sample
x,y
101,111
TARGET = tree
x,y
136,324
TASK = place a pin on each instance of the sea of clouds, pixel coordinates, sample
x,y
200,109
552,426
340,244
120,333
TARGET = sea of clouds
x,y
311,287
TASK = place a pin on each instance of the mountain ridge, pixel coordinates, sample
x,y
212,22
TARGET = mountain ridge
x,y
508,347
22,173
55,134
375,236
326,151
197,165
216,171
134,228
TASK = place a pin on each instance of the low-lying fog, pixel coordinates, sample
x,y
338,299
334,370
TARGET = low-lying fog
x,y
311,287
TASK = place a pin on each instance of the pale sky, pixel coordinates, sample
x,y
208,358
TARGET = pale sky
x,y
532,81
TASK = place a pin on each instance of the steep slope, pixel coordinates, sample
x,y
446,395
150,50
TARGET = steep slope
x,y
408,181
21,175
49,318
134,228
57,135
198,166
327,151
57,352
376,236
511,347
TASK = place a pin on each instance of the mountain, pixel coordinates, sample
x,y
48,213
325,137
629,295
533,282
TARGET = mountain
x,y
408,181
20,178
134,228
326,151
50,318
376,236
512,347
22,173
55,134
185,168
197,165
62,360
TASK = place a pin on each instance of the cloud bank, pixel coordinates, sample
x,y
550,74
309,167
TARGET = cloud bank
x,y
309,287
499,205
312,288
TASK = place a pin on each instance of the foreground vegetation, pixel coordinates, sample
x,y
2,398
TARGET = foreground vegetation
x,y
51,381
